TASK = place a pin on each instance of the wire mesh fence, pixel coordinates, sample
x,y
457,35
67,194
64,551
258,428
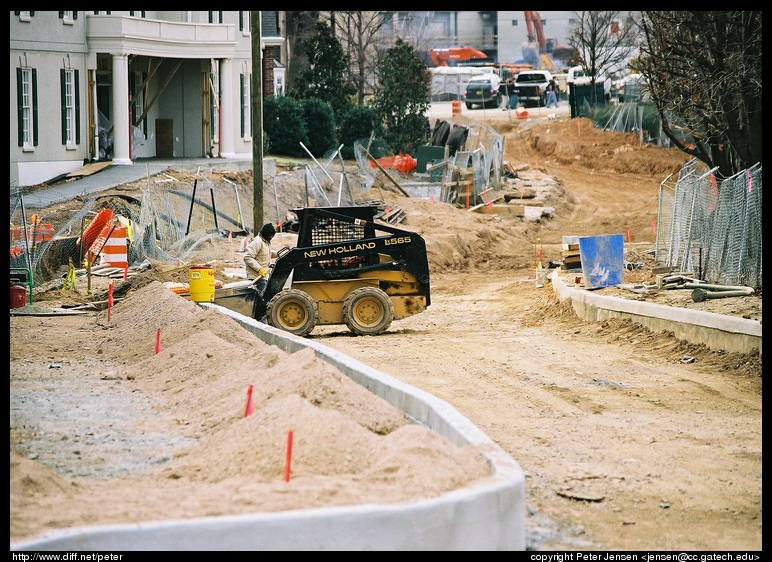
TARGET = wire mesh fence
x,y
173,218
710,228
41,240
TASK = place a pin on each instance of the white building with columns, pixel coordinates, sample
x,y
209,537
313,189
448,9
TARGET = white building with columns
x,y
115,86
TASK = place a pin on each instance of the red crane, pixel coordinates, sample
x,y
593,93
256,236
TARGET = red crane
x,y
533,23
549,49
440,57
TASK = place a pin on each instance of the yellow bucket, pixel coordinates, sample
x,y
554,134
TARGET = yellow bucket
x,y
201,283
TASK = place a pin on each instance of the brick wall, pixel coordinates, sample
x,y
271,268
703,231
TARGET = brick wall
x,y
268,64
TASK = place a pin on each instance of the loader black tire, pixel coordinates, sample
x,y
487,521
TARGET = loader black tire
x,y
293,311
368,311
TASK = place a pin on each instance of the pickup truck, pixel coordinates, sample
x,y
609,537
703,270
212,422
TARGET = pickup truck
x,y
532,85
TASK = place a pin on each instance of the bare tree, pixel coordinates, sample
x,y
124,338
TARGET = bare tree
x,y
365,38
704,74
359,35
417,29
300,27
604,43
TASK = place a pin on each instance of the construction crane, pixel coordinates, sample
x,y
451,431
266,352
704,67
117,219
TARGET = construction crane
x,y
414,29
535,30
539,49
454,55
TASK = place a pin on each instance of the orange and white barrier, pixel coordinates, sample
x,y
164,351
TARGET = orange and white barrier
x,y
114,249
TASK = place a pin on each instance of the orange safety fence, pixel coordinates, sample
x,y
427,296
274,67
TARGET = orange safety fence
x,y
35,233
401,162
103,218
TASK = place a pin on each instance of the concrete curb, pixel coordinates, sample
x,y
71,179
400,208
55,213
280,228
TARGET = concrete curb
x,y
486,516
716,331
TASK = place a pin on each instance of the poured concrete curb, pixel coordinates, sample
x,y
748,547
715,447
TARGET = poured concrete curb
x,y
716,331
489,515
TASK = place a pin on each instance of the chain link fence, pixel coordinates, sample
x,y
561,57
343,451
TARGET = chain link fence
x,y
709,228
35,235
170,221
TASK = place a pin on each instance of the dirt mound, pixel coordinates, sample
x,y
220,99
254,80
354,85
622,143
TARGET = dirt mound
x,y
164,434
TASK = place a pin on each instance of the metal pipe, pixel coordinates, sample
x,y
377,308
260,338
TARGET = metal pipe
x,y
699,295
345,177
28,260
317,163
214,209
238,203
718,287
192,202
276,198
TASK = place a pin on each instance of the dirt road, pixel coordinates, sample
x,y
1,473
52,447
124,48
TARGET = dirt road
x,y
626,443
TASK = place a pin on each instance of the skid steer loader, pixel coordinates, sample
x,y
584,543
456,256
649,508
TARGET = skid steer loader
x,y
346,269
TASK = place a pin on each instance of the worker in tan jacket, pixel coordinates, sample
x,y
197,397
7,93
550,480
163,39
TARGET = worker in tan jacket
x,y
258,255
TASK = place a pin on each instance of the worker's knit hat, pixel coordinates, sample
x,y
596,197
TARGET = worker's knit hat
x,y
268,231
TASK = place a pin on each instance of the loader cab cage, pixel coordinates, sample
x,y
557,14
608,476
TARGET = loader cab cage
x,y
318,228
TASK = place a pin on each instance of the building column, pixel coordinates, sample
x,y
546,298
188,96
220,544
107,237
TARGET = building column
x,y
121,129
227,109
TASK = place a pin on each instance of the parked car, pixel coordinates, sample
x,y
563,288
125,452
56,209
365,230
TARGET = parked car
x,y
483,90
631,88
573,73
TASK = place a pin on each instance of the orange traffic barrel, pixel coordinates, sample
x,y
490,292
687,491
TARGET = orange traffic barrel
x,y
115,249
455,108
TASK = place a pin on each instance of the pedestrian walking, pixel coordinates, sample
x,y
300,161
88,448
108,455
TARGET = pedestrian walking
x,y
552,93
513,93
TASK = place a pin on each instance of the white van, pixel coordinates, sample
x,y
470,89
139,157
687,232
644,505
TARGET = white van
x,y
573,73
577,75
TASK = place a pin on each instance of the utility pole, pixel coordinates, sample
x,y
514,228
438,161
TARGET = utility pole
x,y
257,119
